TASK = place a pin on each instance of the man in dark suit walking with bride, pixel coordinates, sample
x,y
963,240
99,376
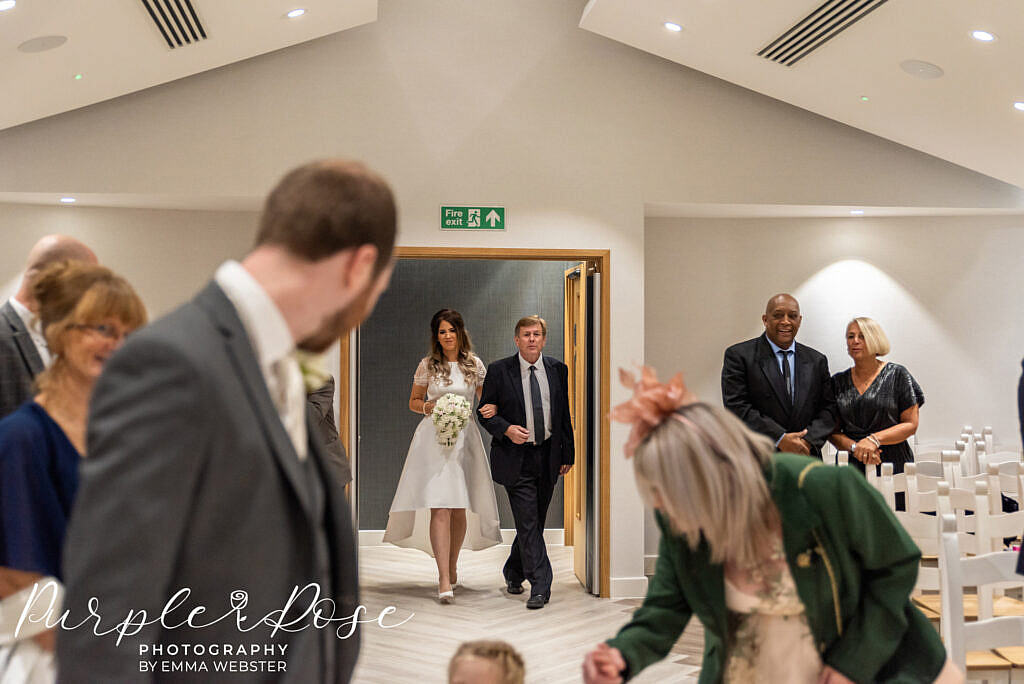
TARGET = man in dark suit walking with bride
x,y
532,445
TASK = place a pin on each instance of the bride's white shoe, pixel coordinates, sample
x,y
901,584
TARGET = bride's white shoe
x,y
446,597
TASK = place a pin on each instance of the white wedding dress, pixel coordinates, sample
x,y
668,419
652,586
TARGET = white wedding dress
x,y
445,477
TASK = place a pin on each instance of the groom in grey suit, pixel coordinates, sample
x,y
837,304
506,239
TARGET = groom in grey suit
x,y
205,470
23,351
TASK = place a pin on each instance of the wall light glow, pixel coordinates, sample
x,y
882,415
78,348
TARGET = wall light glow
x,y
67,200
7,4
295,13
672,26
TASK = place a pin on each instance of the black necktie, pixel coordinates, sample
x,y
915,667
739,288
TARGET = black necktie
x,y
538,407
786,375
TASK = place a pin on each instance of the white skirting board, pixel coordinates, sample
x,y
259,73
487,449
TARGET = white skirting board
x,y
628,587
650,562
552,537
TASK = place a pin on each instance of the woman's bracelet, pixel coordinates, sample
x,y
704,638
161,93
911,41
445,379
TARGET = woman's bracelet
x,y
875,440
424,409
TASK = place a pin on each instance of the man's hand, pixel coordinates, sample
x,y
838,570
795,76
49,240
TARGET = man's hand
x,y
488,410
517,433
794,443
603,665
564,469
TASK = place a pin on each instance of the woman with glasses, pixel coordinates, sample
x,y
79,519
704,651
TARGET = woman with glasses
x,y
85,311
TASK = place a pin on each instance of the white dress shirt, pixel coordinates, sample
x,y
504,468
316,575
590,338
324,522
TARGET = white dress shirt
x,y
545,395
35,330
274,347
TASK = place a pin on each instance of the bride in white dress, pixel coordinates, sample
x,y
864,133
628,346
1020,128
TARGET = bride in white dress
x,y
445,498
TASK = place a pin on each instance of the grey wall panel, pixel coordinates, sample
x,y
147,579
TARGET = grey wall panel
x,y
491,296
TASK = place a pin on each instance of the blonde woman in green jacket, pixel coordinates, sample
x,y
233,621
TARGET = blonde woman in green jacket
x,y
798,571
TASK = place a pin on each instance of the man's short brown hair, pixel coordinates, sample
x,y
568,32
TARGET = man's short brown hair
x,y
324,207
530,321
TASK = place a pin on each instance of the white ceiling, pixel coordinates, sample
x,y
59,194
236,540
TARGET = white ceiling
x,y
118,49
966,117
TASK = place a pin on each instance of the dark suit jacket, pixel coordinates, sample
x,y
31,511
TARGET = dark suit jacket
x,y
192,481
322,401
503,386
20,362
753,389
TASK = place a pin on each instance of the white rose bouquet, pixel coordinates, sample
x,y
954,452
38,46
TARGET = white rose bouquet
x,y
450,415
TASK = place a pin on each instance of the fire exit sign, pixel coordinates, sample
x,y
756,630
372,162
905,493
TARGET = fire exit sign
x,y
472,218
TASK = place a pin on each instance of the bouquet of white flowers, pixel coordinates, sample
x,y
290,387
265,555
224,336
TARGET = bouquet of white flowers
x,y
450,415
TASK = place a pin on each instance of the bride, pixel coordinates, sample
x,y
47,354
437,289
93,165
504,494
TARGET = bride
x,y
445,499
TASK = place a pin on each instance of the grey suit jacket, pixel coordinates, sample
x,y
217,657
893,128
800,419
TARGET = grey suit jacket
x,y
20,362
322,401
192,481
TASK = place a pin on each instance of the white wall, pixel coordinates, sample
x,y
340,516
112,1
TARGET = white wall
x,y
484,101
166,255
946,291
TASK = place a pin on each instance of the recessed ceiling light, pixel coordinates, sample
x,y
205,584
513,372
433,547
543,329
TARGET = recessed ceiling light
x,y
67,200
983,36
78,77
925,70
672,26
296,13
864,98
7,4
857,212
1019,106
42,43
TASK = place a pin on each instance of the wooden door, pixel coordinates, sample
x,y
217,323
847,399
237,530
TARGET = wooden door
x,y
575,499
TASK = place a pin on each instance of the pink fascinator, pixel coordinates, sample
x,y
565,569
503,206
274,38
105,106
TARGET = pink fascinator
x,y
652,402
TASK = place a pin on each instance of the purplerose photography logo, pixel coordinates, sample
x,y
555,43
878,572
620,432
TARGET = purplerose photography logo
x,y
181,647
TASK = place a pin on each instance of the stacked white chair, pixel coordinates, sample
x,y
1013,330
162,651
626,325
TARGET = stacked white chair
x,y
985,634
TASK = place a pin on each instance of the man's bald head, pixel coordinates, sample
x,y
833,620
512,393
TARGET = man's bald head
x,y
50,250
782,319
779,299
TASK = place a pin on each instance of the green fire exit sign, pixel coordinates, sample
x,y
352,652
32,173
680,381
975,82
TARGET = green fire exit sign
x,y
472,218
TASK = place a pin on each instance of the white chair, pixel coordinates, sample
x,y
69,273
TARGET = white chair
x,y
885,483
959,636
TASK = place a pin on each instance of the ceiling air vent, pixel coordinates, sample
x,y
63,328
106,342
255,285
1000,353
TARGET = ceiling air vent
x,y
830,19
177,21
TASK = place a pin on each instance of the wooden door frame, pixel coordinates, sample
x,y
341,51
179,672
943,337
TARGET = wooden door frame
x,y
600,259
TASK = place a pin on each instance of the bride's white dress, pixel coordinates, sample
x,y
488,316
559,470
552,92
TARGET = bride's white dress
x,y
445,477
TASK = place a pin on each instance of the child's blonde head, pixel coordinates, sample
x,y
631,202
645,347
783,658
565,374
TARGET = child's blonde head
x,y
486,662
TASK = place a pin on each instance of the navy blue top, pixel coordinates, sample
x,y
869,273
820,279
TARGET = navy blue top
x,y
38,481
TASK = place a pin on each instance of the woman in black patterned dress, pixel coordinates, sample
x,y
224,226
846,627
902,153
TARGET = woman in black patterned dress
x,y
878,402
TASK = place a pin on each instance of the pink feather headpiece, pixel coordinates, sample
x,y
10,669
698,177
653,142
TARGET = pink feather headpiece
x,y
652,403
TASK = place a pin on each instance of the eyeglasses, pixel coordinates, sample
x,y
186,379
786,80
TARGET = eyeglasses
x,y
108,331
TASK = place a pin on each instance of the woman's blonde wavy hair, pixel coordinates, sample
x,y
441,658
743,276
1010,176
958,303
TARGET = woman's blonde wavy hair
x,y
704,470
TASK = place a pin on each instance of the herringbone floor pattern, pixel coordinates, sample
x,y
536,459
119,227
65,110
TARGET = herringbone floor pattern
x,y
552,640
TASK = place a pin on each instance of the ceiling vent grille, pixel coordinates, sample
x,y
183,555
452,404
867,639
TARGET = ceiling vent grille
x,y
820,26
176,20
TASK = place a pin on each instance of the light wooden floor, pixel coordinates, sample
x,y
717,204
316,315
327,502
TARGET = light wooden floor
x,y
552,640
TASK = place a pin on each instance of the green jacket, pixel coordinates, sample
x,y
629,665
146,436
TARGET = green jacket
x,y
854,568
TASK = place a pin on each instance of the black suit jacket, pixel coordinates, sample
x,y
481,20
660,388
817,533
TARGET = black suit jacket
x,y
20,362
503,386
753,389
192,481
